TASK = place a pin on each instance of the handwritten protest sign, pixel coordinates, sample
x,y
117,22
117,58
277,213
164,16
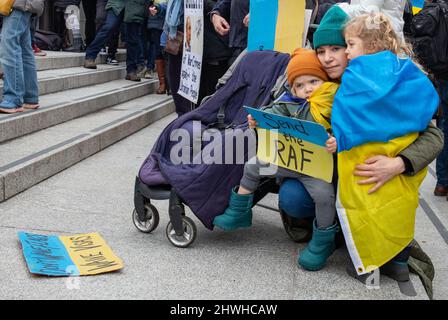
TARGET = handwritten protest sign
x,y
294,144
78,255
193,48
276,25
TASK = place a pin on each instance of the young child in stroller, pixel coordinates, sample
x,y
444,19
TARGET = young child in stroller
x,y
310,98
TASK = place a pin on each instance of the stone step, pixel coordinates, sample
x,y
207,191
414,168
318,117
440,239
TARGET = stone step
x,y
70,104
61,59
28,160
55,80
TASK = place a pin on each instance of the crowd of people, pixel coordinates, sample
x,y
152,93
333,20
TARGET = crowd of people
x,y
340,46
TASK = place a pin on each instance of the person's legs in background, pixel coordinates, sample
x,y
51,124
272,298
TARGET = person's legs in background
x,y
141,63
112,47
175,64
101,14
33,27
159,60
31,94
111,25
133,50
442,160
89,7
211,72
15,31
151,52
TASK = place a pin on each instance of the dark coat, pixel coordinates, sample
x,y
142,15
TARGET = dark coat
x,y
206,188
135,10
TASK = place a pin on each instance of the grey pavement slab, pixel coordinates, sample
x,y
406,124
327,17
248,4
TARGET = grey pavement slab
x,y
96,195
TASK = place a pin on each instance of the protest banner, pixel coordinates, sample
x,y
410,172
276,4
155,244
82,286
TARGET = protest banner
x,y
193,48
78,255
276,25
293,144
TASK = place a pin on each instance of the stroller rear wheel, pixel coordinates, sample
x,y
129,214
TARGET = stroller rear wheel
x,y
151,219
186,238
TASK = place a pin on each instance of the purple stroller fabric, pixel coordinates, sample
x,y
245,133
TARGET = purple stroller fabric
x,y
206,188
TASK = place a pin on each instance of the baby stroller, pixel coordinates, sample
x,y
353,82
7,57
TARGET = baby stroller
x,y
205,188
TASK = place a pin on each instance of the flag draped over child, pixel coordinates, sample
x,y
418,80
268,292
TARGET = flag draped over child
x,y
381,105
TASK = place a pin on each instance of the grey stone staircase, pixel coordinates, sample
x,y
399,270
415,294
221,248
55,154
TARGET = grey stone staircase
x,y
82,112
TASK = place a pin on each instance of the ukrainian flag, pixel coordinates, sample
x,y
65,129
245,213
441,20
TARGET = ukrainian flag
x,y
417,5
381,105
276,25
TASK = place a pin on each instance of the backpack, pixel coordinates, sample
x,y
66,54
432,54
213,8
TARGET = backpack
x,y
47,40
430,36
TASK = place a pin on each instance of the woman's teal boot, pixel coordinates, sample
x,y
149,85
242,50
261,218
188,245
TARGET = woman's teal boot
x,y
238,214
320,247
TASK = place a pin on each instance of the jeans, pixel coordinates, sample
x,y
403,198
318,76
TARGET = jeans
x,y
89,7
33,27
100,14
295,201
110,26
134,46
17,59
442,123
154,51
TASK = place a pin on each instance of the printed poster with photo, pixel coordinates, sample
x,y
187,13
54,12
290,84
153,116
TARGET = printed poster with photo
x,y
193,48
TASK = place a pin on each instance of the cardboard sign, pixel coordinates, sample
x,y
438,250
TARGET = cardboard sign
x,y
78,255
293,144
190,76
276,25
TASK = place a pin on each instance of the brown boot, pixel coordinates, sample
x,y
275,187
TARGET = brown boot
x,y
89,64
441,191
133,77
160,66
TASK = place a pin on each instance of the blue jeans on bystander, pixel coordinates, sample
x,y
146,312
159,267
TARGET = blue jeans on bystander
x,y
17,59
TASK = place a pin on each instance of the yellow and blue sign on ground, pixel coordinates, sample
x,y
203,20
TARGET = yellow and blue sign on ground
x,y
293,144
276,25
78,255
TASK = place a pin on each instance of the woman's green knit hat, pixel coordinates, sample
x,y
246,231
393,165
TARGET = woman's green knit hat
x,y
329,32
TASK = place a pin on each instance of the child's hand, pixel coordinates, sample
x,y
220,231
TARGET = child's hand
x,y
331,144
252,122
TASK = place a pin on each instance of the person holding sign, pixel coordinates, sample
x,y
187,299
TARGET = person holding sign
x,y
311,98
377,170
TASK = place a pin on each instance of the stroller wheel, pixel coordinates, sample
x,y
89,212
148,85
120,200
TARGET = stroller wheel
x,y
152,219
188,236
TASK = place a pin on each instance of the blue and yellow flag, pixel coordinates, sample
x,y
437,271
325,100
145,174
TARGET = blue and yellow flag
x,y
276,25
382,104
417,5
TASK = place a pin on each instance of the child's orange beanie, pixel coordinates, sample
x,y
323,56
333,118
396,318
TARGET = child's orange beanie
x,y
304,62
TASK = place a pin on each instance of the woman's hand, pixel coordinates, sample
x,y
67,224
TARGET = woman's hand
x,y
252,122
331,144
378,170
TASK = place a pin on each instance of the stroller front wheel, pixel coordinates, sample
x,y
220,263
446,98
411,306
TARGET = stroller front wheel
x,y
188,236
150,223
